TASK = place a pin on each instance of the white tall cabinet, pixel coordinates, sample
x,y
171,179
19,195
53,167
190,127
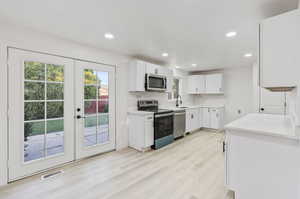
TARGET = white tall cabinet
x,y
279,50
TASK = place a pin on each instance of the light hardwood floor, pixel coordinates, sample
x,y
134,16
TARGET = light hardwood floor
x,y
190,168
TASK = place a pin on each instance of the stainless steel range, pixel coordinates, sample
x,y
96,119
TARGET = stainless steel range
x,y
163,122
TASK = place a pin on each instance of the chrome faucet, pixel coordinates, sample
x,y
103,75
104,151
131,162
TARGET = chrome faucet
x,y
178,102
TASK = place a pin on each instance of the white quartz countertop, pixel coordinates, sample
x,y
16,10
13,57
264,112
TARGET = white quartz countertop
x,y
266,124
194,106
206,106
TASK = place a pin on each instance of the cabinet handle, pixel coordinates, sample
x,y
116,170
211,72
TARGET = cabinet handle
x,y
192,116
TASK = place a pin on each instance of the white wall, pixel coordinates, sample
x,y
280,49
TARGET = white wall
x,y
238,89
31,40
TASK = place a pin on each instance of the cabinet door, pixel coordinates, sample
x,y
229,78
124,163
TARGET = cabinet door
x,y
188,121
279,48
200,117
169,74
136,76
214,83
151,68
196,122
149,131
194,119
201,84
206,117
215,118
192,84
140,76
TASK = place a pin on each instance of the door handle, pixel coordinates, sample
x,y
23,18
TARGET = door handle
x,y
80,117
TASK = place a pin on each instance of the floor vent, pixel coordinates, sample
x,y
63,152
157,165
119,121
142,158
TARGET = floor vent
x,y
50,175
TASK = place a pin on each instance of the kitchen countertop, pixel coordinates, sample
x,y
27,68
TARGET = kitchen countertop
x,y
195,106
266,124
136,112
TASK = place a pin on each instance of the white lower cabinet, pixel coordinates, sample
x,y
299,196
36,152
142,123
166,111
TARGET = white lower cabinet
x,y
206,117
213,118
192,119
141,131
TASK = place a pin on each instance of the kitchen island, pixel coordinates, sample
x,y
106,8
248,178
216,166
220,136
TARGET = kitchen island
x,y
262,157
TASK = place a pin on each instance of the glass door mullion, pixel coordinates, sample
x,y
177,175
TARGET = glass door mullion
x,y
45,117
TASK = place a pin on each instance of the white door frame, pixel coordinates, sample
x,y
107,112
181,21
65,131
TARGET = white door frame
x,y
3,116
81,150
17,167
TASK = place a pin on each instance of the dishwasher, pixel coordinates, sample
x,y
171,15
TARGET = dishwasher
x,y
179,123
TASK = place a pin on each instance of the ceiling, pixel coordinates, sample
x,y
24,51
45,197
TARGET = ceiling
x,y
190,31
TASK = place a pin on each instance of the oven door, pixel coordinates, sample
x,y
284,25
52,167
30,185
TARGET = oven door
x,y
156,82
163,125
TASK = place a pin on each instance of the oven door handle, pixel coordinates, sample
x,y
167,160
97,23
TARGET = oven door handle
x,y
164,115
176,114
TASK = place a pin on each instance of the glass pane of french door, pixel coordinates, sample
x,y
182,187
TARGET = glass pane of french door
x,y
44,110
41,120
96,100
95,95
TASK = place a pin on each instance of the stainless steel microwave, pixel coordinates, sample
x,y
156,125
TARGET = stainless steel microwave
x,y
155,82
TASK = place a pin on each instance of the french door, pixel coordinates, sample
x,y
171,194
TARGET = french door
x,y
57,112
95,108
41,119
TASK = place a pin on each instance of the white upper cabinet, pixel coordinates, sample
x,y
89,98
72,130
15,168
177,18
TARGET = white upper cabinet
x,y
136,76
205,84
138,70
214,83
152,68
192,84
280,50
196,84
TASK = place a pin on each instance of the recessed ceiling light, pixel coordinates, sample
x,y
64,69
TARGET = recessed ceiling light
x,y
165,54
109,36
248,55
194,65
177,67
231,34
